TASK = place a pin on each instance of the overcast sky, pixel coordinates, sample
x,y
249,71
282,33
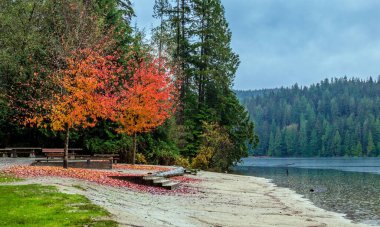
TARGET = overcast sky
x,y
282,42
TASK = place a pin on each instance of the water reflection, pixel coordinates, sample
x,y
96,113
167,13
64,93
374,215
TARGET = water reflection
x,y
356,194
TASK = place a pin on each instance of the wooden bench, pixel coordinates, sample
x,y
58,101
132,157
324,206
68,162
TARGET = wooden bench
x,y
31,151
114,157
4,152
75,150
56,153
53,153
82,156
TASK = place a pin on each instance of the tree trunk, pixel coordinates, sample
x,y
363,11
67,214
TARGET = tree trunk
x,y
134,149
66,149
178,31
171,173
123,155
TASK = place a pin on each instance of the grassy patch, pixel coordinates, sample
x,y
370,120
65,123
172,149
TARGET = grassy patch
x,y
4,178
37,205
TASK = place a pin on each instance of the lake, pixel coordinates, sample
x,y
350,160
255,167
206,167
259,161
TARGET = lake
x,y
345,185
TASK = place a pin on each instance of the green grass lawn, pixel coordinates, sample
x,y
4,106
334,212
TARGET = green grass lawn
x,y
37,205
6,178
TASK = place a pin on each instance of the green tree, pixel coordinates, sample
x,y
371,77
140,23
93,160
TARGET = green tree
x,y
279,147
358,151
314,143
291,140
303,139
37,38
216,150
336,144
370,145
195,35
272,145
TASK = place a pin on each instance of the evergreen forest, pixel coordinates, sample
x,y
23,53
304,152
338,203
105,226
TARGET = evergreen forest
x,y
337,117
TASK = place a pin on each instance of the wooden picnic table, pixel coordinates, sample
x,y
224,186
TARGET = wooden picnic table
x,y
4,152
75,149
23,150
59,152
114,157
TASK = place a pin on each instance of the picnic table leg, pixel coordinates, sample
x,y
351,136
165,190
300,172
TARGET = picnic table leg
x,y
14,154
32,155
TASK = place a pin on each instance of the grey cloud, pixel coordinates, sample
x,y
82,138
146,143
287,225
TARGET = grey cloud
x,y
281,42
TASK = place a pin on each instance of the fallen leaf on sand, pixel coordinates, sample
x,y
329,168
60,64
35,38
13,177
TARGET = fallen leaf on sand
x,y
98,176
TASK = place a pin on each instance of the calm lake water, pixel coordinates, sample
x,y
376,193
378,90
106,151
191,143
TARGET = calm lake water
x,y
345,185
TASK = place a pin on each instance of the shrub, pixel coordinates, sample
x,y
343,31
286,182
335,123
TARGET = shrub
x,y
140,159
182,161
216,151
163,153
202,160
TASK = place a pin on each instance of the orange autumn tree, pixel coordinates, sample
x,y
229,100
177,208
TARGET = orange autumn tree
x,y
82,94
145,99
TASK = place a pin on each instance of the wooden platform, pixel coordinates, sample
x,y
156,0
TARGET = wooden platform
x,y
150,181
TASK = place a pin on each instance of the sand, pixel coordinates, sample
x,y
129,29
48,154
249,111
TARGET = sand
x,y
221,200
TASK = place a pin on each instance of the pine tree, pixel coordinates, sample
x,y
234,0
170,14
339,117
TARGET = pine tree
x,y
291,140
358,150
378,148
199,37
279,145
303,139
272,146
370,145
336,144
314,143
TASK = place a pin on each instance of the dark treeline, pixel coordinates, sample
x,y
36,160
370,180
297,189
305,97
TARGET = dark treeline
x,y
337,117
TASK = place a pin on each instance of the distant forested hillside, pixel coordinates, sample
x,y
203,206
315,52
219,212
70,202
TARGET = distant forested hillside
x,y
337,117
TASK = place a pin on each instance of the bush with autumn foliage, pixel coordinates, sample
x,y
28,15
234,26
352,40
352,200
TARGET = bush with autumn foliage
x,y
217,152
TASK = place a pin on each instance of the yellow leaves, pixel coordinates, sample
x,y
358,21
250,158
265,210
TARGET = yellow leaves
x,y
202,160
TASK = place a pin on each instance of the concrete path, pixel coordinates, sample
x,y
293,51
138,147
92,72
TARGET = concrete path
x,y
8,162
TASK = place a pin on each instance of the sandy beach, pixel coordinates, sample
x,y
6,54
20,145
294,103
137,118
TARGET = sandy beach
x,y
220,200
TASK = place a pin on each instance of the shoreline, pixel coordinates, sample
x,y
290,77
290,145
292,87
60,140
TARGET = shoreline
x,y
221,200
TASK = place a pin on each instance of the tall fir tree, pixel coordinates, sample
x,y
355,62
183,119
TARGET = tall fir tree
x,y
206,67
303,139
336,147
370,145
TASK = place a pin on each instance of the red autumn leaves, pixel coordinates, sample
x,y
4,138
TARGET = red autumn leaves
x,y
138,94
98,176
93,86
146,98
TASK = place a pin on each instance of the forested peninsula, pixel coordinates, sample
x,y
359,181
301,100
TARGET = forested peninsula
x,y
337,117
